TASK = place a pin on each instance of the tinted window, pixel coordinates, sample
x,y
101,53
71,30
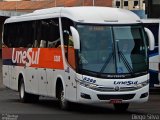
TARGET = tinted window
x,y
40,33
19,34
48,34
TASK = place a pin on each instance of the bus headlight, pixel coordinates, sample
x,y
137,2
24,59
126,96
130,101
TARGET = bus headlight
x,y
142,84
88,85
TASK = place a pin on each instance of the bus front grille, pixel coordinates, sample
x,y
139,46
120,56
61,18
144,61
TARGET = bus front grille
x,y
109,97
112,89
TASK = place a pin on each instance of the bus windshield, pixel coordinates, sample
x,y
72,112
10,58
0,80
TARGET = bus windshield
x,y
112,49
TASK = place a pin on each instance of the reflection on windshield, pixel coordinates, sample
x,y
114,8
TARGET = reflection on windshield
x,y
112,49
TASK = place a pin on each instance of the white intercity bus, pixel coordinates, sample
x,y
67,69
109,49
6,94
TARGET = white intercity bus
x,y
90,55
154,55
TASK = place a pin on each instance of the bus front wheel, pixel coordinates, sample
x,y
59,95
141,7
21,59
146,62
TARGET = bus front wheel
x,y
64,104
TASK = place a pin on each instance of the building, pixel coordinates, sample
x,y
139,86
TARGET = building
x,y
152,8
32,5
129,4
136,6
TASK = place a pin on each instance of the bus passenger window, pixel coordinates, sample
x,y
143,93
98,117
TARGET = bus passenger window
x,y
48,33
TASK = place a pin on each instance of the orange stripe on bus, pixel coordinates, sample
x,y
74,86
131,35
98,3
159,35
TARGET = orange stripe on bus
x,y
35,57
50,58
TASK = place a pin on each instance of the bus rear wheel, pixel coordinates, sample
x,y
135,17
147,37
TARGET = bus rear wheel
x,y
22,94
121,107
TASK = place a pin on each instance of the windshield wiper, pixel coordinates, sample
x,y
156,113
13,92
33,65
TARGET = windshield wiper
x,y
121,56
126,63
106,63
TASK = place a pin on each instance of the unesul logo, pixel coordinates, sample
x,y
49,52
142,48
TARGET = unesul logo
x,y
125,82
28,57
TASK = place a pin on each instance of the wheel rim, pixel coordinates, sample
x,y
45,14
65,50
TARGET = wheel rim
x,y
22,91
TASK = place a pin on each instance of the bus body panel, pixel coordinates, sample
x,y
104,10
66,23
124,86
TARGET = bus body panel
x,y
6,75
51,79
71,88
94,99
31,80
38,80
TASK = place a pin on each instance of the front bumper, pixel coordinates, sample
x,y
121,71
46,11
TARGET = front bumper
x,y
86,95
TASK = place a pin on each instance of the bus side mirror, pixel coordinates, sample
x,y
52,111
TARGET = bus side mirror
x,y
76,40
150,38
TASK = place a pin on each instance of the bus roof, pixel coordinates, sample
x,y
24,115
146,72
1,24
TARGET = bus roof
x,y
81,14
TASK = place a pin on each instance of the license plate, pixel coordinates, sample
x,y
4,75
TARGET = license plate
x,y
113,101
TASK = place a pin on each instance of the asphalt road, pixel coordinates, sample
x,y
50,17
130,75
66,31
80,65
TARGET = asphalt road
x,y
47,109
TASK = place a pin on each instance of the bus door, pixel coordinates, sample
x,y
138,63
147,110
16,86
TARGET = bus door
x,y
69,52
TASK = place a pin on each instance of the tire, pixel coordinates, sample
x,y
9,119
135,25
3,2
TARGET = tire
x,y
26,97
63,103
121,107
